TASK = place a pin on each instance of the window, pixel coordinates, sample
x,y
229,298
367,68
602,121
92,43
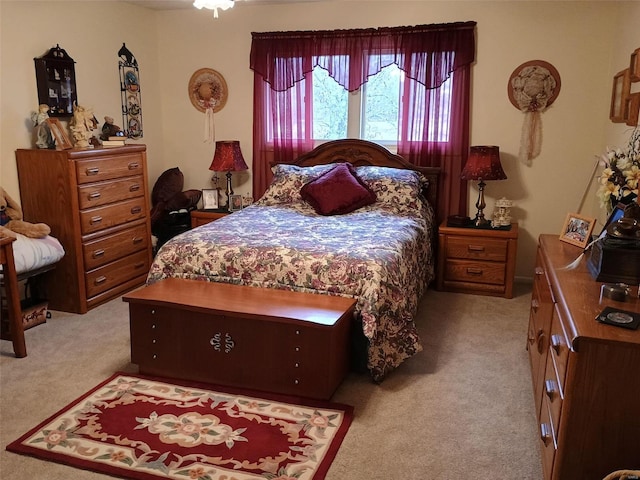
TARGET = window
x,y
404,87
373,111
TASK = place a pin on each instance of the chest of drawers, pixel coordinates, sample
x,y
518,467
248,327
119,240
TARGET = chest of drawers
x,y
96,202
479,261
586,375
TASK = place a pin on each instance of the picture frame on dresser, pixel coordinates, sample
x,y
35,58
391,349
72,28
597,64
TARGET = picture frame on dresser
x,y
577,229
59,135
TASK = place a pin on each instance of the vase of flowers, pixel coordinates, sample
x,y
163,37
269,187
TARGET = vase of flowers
x,y
621,176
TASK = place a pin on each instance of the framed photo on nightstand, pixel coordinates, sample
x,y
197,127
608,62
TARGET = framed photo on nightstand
x,y
235,203
210,199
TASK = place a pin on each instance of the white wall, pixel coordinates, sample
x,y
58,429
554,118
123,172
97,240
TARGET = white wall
x,y
586,41
91,33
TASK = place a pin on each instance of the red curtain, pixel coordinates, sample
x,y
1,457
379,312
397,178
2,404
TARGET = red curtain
x,y
428,55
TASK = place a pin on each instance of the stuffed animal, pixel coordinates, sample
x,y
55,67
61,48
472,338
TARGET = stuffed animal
x,y
11,220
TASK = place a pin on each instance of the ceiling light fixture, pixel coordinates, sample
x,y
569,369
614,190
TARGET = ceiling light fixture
x,y
214,5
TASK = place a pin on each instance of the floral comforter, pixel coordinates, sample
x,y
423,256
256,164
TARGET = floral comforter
x,y
379,255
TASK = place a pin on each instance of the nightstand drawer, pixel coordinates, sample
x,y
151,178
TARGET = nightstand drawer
x,y
475,272
477,248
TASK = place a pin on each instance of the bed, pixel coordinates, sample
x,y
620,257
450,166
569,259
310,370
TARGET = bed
x,y
381,253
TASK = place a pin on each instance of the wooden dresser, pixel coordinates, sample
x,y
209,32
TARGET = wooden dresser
x,y
96,202
477,260
586,375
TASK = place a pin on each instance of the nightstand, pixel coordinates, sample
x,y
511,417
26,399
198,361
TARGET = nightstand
x,y
477,260
202,216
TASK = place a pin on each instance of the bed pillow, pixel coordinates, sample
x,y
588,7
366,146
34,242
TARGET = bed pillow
x,y
337,191
395,187
287,182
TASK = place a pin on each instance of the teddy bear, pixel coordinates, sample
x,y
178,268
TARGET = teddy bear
x,y
11,220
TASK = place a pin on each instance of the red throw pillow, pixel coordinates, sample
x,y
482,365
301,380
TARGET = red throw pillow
x,y
337,191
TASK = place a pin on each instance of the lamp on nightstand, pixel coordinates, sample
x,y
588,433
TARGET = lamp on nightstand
x,y
228,158
483,164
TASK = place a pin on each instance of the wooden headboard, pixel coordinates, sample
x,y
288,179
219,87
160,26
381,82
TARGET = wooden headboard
x,y
363,152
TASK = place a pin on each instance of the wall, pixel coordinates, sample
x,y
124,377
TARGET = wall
x,y
586,41
91,33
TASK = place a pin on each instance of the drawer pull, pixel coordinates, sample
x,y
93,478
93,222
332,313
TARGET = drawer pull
x,y
550,388
556,343
475,248
474,271
541,341
139,265
134,165
94,195
96,219
134,188
539,271
136,209
216,342
97,253
545,434
99,280
137,240
92,171
535,304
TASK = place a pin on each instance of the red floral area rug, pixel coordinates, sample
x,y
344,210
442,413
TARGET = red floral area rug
x,y
143,428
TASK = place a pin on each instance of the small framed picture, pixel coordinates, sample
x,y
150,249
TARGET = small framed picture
x,y
577,229
634,66
59,134
621,87
235,203
210,199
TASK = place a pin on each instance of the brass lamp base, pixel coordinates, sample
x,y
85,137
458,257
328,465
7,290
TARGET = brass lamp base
x,y
480,221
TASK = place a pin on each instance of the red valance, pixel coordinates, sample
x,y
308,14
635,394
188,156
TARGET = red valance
x,y
426,53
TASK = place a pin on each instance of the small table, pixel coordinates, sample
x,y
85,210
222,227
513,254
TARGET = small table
x,y
203,216
481,261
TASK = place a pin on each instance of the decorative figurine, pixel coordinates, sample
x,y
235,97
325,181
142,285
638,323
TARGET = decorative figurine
x,y
44,139
81,125
501,213
109,129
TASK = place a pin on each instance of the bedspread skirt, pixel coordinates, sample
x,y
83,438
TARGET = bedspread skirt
x,y
384,261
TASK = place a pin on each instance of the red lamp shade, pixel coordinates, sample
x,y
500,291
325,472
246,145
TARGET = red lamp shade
x,y
483,164
228,157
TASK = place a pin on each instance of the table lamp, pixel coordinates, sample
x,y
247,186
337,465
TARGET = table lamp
x,y
228,158
483,164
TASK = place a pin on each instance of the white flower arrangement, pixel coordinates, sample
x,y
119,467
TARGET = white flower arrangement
x,y
621,176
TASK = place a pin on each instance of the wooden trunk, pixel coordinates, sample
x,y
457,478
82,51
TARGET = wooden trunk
x,y
263,339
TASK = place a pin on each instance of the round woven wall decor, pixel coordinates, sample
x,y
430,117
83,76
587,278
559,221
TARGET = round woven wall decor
x,y
534,86
208,89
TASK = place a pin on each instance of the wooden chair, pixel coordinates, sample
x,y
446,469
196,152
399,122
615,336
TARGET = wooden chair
x,y
10,279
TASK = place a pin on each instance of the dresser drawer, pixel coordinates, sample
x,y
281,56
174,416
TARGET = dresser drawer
x,y
559,348
553,393
108,276
99,218
475,272
477,248
112,247
107,168
97,194
548,441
